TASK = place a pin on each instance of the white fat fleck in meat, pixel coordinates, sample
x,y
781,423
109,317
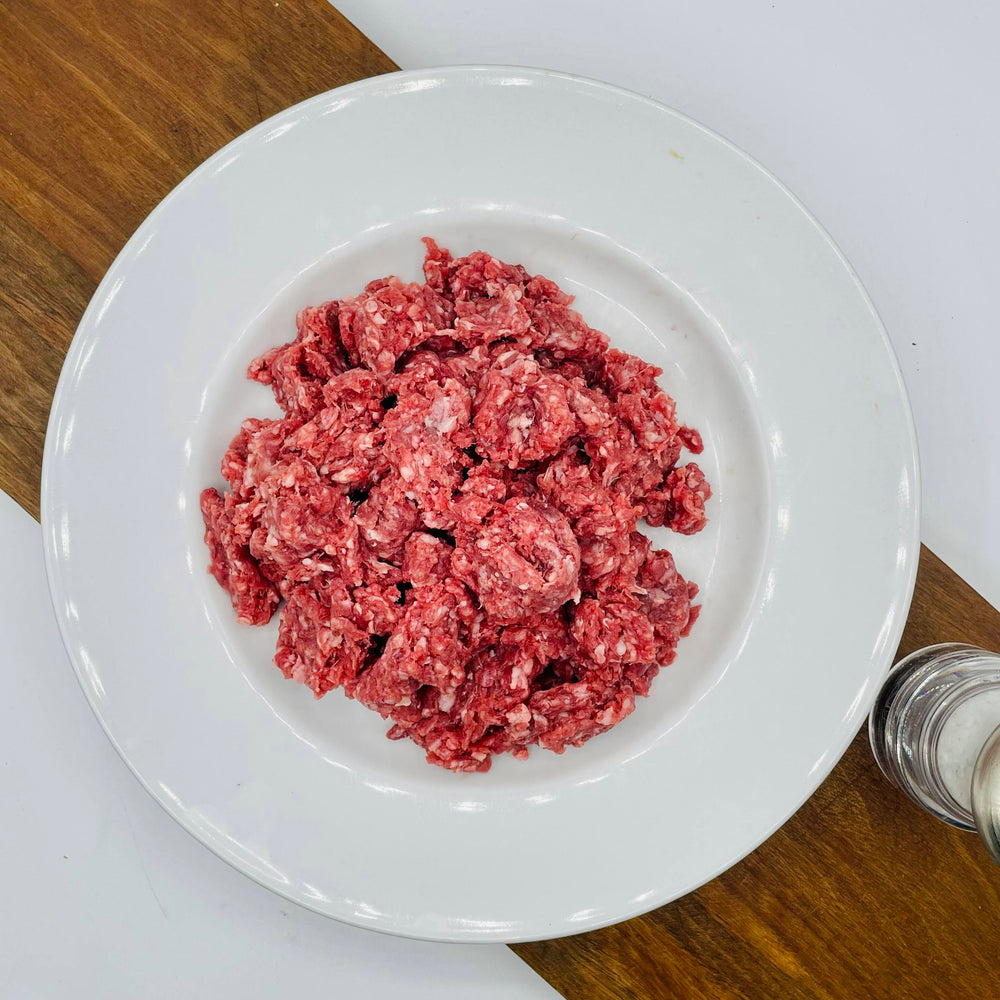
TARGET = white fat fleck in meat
x,y
518,677
442,416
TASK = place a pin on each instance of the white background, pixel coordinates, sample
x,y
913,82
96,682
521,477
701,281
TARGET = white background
x,y
881,115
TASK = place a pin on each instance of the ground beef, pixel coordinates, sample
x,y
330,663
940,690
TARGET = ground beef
x,y
522,560
448,513
522,413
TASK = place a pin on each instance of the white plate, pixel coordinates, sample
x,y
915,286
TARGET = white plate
x,y
686,252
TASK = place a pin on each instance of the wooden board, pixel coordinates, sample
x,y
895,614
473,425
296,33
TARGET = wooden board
x,y
105,106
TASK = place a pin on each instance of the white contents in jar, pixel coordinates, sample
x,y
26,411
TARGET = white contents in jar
x,y
962,737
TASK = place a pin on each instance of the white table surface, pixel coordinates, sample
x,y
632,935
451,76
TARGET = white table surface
x,y
105,896
880,115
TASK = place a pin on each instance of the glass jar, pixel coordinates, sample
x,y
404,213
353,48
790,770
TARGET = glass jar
x,y
935,733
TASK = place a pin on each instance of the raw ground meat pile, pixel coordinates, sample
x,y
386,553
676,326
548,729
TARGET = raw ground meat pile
x,y
447,514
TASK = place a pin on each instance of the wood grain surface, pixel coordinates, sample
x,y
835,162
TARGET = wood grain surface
x,y
104,107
